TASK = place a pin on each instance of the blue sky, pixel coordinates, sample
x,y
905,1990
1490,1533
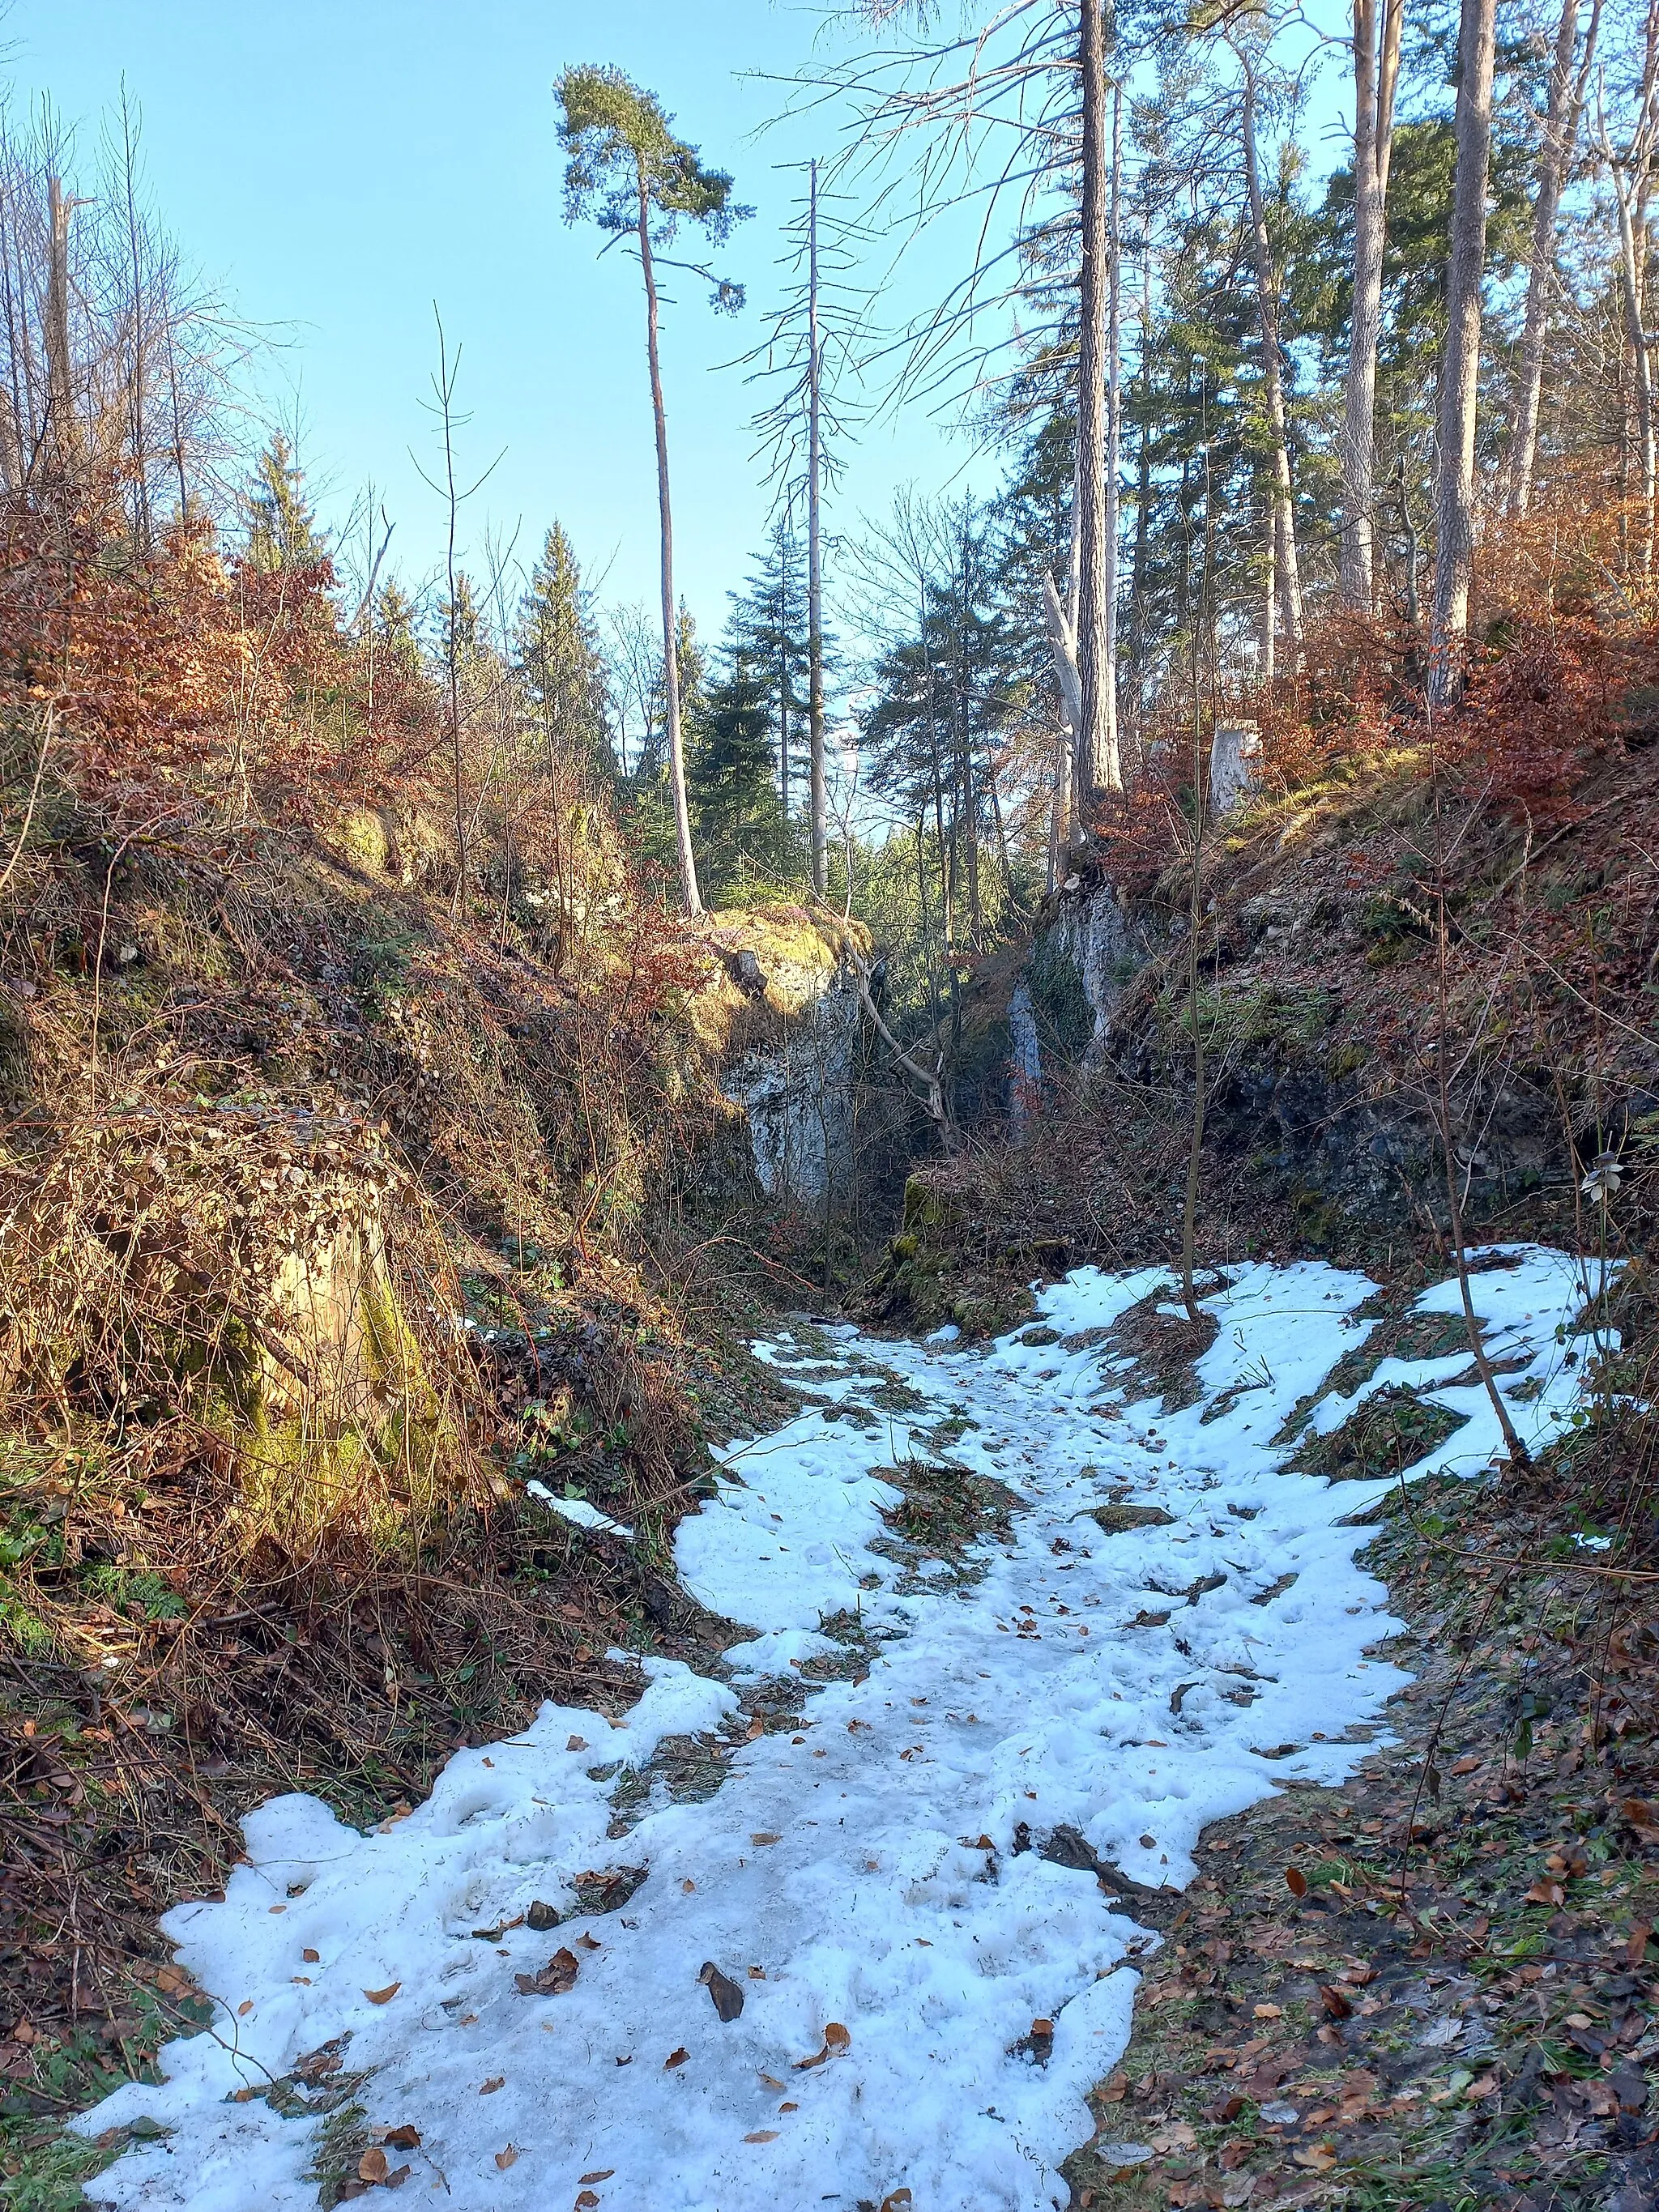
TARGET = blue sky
x,y
338,165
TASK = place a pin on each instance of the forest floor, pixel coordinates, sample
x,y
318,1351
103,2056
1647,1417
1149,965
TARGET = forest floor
x,y
1323,2022
1431,1985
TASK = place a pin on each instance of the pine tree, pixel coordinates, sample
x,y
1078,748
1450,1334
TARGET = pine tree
x,y
281,526
638,181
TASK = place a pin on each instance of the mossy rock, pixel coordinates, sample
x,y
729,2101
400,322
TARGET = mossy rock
x,y
924,1207
361,835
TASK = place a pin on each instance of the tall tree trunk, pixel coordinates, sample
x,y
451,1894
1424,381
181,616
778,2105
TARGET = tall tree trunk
x,y
1566,102
1114,441
1095,768
1376,73
670,640
820,810
1630,291
60,390
1286,568
136,394
1453,552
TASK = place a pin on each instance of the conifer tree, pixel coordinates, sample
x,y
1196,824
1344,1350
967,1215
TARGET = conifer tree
x,y
740,824
628,169
282,528
557,650
769,627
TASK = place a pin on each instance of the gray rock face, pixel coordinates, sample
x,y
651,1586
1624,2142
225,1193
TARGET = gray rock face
x,y
797,1097
1105,944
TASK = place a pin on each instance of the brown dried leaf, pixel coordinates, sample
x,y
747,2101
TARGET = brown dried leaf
x,y
1544,1892
507,2157
311,1958
1335,2002
496,2081
764,1837
762,2135
1296,1881
674,2058
372,2166
1636,1950
402,2138
603,2174
836,2037
385,1996
1318,2158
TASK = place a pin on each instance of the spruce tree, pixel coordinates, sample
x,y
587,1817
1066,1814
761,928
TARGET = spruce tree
x,y
557,650
740,826
768,627
281,527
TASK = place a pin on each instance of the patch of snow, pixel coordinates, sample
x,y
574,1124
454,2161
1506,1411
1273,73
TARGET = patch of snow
x,y
765,1657
866,1871
577,1510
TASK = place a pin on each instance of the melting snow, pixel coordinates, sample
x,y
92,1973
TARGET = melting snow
x,y
871,1869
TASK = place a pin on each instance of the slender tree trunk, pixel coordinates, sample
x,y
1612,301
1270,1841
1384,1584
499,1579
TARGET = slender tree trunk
x,y
60,390
1285,566
1095,768
1629,274
1566,102
137,393
1453,552
1114,443
1376,73
670,640
820,808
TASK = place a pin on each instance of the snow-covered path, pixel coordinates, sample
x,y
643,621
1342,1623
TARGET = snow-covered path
x,y
872,1882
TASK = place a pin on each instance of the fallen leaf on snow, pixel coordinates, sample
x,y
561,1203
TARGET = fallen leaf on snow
x,y
835,2039
557,1976
244,2008
587,2201
494,2083
372,2166
577,1743
762,2135
603,2174
674,2058
402,2138
507,2157
311,1958
764,1838
385,1996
